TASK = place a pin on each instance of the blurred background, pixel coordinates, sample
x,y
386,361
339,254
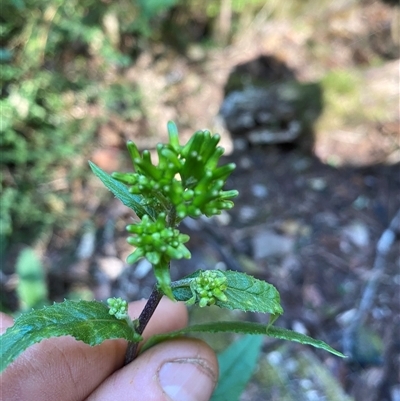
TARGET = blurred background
x,y
305,95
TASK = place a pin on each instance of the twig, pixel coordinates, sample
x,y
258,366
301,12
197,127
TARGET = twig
x,y
382,249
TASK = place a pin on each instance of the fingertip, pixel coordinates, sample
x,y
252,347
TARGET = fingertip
x,y
168,316
190,378
180,369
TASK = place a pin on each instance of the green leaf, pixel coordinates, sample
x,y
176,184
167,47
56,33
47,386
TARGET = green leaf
x,y
163,276
31,288
243,292
244,328
250,294
121,192
236,366
87,321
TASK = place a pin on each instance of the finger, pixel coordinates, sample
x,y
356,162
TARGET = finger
x,y
168,316
5,322
176,370
68,370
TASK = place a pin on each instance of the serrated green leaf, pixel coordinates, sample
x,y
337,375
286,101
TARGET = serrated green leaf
x,y
87,321
236,366
244,328
249,294
121,192
243,292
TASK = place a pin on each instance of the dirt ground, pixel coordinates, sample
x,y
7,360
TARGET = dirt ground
x,y
308,222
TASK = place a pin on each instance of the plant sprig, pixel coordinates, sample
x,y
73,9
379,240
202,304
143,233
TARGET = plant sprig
x,y
187,181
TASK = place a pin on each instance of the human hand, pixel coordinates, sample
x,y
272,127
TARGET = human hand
x,y
64,369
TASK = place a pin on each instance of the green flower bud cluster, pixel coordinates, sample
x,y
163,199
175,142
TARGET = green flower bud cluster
x,y
208,287
118,308
154,240
187,177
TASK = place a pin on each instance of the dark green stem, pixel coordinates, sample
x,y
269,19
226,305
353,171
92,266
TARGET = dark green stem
x,y
171,218
151,305
143,320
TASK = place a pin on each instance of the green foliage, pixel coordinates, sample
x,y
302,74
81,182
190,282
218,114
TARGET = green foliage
x,y
198,188
122,100
86,321
38,129
243,328
343,104
236,366
134,202
59,81
187,181
230,290
54,57
155,241
32,288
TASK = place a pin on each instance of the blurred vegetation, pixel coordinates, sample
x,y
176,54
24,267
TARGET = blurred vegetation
x,y
32,287
59,67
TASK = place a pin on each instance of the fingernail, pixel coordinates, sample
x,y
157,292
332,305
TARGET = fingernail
x,y
187,380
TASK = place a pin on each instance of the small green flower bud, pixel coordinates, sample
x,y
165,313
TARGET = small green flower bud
x,y
133,151
204,302
154,239
135,256
118,308
173,135
217,293
208,287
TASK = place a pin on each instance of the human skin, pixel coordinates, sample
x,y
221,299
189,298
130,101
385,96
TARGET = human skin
x,y
64,369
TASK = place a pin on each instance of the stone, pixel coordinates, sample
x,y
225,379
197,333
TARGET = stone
x,y
269,244
111,266
357,233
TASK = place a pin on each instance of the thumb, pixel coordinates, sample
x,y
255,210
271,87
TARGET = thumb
x,y
175,370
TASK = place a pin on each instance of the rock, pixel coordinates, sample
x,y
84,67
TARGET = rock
x,y
259,191
345,318
317,184
223,219
269,108
142,269
247,213
357,233
277,114
87,243
299,327
111,266
269,244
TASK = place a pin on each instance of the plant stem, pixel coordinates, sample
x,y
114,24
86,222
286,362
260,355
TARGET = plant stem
x,y
171,219
145,316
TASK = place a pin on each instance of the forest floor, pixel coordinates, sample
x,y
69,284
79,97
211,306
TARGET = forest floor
x,y
308,222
